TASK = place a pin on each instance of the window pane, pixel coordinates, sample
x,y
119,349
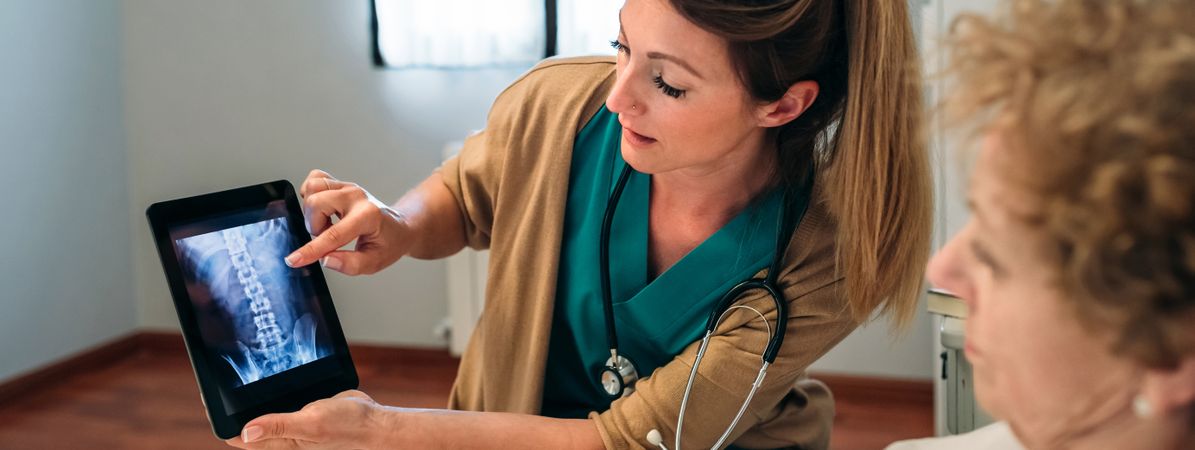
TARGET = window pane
x,y
460,33
586,27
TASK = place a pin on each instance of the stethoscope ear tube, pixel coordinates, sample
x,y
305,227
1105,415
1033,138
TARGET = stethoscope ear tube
x,y
773,349
732,296
684,403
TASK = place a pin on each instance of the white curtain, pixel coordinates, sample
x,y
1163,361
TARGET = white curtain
x,y
482,33
586,27
460,33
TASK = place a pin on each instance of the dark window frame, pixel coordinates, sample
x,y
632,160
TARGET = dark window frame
x,y
550,49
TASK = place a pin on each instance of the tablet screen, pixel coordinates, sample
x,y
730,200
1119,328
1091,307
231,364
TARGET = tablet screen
x,y
257,316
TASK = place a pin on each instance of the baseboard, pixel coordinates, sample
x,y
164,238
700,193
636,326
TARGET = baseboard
x,y
160,341
86,360
878,388
843,386
172,342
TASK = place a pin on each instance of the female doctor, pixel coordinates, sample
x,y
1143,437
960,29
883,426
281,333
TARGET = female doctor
x,y
704,155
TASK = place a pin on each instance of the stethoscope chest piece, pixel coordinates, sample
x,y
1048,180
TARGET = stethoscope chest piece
x,y
618,380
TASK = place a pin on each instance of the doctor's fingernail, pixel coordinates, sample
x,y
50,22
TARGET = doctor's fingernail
x,y
251,434
292,259
332,263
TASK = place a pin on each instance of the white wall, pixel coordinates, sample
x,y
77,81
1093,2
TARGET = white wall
x,y
873,350
950,170
225,93
64,277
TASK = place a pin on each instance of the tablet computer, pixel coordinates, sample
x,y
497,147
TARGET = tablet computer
x,y
262,337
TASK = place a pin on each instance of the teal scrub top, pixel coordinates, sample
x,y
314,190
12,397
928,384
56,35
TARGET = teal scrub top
x,y
654,320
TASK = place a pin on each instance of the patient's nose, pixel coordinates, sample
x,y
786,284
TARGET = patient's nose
x,y
946,271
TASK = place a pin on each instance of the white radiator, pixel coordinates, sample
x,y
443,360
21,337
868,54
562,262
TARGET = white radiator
x,y
466,277
466,295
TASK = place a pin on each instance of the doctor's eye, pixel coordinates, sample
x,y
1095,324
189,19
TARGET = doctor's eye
x,y
619,47
668,89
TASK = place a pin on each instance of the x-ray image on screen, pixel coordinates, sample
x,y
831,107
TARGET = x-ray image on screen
x,y
255,313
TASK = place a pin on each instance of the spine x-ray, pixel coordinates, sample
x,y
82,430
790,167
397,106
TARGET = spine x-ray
x,y
254,311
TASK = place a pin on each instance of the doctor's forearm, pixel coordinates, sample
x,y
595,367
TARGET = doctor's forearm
x,y
436,428
431,214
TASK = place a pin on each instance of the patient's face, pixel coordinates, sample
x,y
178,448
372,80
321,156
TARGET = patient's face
x,y
1034,366
710,126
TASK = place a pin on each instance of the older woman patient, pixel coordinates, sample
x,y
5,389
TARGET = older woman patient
x,y
1078,264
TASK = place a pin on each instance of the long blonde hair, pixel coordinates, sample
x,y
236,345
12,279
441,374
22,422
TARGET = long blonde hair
x,y
863,132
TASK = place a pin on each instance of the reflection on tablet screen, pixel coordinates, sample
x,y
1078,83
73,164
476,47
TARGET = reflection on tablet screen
x,y
255,313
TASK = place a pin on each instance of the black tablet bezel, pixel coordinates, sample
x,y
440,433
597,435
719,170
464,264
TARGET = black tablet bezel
x,y
289,390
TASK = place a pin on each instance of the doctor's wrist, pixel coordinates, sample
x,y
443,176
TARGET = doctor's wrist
x,y
377,430
393,427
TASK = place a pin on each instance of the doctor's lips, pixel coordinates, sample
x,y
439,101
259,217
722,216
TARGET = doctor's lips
x,y
636,138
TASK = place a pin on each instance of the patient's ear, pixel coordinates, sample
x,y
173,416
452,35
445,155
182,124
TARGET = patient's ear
x,y
1171,390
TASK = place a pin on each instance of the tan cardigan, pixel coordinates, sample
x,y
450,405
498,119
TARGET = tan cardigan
x,y
511,181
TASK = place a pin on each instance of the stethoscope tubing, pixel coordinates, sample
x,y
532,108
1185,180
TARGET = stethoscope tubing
x,y
769,283
604,257
727,302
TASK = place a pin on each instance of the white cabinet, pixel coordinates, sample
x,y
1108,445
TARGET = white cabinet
x,y
962,413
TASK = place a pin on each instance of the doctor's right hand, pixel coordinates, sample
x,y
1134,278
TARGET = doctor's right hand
x,y
380,231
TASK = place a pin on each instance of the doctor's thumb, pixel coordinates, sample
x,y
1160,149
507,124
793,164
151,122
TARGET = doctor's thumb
x,y
270,426
353,262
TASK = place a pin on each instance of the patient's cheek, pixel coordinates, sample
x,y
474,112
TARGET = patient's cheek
x,y
986,392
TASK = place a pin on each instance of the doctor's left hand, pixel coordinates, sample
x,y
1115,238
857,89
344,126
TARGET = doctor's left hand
x,y
345,421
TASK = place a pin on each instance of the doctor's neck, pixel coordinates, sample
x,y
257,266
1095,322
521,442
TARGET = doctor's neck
x,y
720,189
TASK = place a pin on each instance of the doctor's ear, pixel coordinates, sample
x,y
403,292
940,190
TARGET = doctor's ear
x,y
795,101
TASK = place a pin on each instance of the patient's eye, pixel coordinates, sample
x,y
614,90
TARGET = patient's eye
x,y
985,258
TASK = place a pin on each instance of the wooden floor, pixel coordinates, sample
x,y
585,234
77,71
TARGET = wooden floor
x,y
148,400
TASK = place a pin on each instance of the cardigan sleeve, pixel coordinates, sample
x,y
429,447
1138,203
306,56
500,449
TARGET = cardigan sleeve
x,y
524,120
817,320
510,184
473,175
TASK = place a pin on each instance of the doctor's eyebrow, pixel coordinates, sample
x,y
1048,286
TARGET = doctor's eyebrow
x,y
677,61
658,55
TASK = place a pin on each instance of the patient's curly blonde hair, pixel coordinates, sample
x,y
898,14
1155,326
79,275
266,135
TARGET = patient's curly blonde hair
x,y
1094,101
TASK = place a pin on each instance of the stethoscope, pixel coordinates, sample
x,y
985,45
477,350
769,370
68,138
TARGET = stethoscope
x,y
619,375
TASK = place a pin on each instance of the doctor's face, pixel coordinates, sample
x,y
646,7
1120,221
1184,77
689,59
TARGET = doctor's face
x,y
680,102
1034,365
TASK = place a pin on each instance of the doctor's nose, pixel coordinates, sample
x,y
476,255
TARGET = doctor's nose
x,y
623,99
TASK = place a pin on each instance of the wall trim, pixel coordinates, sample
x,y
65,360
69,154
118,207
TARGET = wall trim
x,y
843,386
86,360
880,389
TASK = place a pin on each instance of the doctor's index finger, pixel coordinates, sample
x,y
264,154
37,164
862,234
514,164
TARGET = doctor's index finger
x,y
320,207
318,180
331,239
